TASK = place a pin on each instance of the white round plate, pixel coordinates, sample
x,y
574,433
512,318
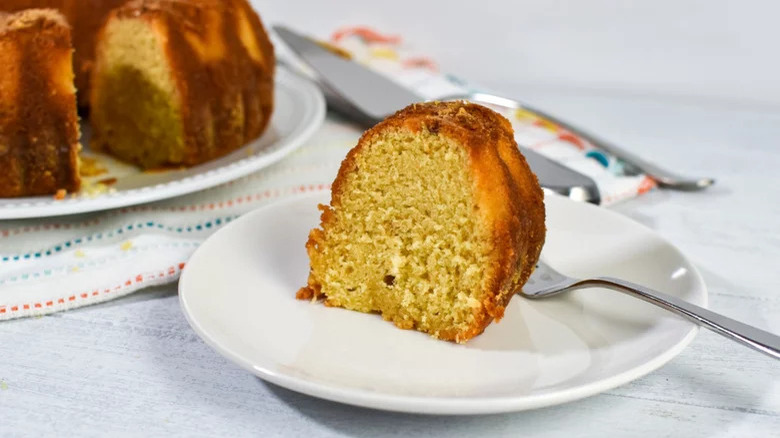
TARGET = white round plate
x,y
238,293
299,109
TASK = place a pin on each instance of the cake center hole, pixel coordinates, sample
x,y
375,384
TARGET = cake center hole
x,y
390,280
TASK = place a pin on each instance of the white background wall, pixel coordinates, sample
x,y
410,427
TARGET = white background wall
x,y
716,52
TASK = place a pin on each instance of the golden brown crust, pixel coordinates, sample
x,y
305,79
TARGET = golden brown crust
x,y
38,121
508,195
20,5
218,71
85,17
34,18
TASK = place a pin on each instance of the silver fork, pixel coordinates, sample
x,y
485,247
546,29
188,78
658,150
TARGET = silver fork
x,y
546,282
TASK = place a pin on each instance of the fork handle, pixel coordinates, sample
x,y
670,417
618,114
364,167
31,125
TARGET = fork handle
x,y
750,336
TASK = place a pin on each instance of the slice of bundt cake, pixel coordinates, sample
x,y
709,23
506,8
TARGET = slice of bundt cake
x,y
38,122
180,82
435,222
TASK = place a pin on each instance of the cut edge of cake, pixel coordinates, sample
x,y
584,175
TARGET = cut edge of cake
x,y
135,105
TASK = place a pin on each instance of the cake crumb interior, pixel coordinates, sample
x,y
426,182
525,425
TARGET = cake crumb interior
x,y
405,241
137,105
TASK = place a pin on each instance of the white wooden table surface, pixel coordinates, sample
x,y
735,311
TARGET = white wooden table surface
x,y
134,367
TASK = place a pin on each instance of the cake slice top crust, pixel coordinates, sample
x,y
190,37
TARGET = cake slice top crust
x,y
37,19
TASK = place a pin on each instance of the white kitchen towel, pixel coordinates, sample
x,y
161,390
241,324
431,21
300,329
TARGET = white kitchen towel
x,y
53,264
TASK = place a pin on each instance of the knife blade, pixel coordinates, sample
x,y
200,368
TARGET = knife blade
x,y
367,97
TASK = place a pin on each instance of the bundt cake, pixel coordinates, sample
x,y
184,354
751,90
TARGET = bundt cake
x,y
85,18
38,122
180,82
435,222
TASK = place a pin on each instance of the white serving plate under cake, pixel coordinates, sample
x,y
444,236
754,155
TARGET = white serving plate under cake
x,y
238,293
299,109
